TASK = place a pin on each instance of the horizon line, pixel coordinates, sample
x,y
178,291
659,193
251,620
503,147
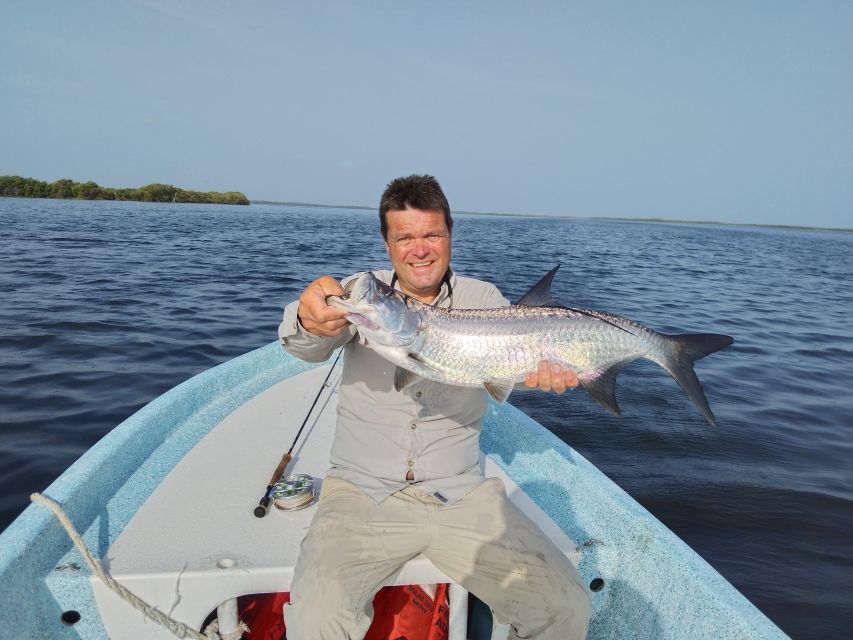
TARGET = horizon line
x,y
792,227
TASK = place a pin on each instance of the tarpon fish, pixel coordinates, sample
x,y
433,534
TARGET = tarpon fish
x,y
496,348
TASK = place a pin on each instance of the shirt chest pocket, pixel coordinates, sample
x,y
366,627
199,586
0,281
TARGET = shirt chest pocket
x,y
429,395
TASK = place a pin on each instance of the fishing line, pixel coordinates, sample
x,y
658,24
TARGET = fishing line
x,y
264,504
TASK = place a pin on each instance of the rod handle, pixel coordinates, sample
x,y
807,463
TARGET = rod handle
x,y
264,504
282,465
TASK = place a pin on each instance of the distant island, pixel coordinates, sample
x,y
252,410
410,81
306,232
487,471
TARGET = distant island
x,y
18,187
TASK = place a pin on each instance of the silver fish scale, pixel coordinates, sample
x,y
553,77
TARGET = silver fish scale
x,y
469,346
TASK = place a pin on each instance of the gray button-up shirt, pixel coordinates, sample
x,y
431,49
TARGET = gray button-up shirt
x,y
429,428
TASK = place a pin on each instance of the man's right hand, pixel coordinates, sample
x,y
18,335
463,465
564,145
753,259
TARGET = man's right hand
x,y
315,315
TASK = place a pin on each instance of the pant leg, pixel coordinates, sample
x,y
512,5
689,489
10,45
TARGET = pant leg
x,y
486,544
352,546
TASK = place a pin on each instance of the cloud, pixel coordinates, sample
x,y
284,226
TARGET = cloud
x,y
229,23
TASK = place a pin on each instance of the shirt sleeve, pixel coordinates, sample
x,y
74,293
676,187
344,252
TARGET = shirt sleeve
x,y
493,298
304,345
500,300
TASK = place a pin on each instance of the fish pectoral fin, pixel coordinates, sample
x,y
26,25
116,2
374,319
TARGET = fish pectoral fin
x,y
418,359
403,378
540,293
499,390
601,385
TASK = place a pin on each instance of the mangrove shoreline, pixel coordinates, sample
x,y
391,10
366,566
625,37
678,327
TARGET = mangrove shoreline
x,y
64,189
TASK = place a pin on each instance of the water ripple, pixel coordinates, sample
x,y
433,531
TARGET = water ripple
x,y
108,305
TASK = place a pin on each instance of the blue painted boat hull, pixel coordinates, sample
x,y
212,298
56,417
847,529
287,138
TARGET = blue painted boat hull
x,y
654,585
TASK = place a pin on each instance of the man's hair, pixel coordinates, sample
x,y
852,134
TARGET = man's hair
x,y
413,192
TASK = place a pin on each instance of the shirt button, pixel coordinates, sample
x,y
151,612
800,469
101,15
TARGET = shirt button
x,y
419,394
414,426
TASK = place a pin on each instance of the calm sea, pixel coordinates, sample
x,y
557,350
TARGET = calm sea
x,y
107,305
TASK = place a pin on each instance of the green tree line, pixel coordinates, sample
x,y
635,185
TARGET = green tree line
x,y
18,187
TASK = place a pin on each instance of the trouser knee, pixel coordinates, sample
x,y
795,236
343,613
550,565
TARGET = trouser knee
x,y
571,607
563,609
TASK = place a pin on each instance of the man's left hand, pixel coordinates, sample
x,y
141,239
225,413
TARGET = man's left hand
x,y
551,377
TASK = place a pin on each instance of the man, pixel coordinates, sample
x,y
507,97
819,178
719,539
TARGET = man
x,y
405,476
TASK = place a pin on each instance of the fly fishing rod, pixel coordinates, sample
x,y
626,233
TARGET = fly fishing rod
x,y
264,505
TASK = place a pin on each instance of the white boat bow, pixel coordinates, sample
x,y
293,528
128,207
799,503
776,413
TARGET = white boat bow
x,y
166,500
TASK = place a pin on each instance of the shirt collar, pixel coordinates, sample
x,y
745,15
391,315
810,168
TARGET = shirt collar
x,y
445,293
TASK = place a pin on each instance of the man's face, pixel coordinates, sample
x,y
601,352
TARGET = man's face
x,y
418,244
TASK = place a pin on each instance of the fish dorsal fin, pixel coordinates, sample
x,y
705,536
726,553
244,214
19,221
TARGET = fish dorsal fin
x,y
403,378
540,293
601,385
499,390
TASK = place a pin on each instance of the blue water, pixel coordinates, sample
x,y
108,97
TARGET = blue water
x,y
107,305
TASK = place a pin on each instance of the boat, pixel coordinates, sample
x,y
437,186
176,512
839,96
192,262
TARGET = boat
x,y
165,500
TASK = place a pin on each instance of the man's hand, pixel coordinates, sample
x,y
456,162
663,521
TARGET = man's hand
x,y
315,315
551,377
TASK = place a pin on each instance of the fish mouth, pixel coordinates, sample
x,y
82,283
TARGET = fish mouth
x,y
355,311
362,321
339,302
342,298
348,287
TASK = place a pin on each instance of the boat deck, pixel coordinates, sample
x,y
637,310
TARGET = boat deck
x,y
166,499
195,542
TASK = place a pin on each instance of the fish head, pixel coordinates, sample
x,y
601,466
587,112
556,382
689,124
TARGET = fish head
x,y
379,312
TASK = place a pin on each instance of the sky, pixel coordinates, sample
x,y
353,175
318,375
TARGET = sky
x,y
732,111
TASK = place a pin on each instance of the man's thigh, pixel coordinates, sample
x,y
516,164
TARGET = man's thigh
x,y
354,544
486,544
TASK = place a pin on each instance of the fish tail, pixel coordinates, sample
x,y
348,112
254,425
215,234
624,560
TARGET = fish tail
x,y
684,350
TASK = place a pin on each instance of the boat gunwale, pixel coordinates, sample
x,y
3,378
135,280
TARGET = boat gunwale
x,y
546,468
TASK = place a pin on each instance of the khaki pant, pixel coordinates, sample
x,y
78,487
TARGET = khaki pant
x,y
483,542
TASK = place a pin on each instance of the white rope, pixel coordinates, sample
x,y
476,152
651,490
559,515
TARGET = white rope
x,y
179,629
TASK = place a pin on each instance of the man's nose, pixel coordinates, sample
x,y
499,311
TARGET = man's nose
x,y
421,247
